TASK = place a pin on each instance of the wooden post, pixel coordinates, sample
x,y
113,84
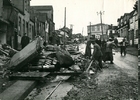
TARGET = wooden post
x,y
64,28
139,27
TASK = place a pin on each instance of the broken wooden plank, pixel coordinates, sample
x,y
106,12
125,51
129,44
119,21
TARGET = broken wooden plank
x,y
29,75
25,55
18,91
66,73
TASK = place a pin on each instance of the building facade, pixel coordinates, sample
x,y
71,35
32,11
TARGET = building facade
x,y
133,29
24,25
112,31
3,22
17,18
96,30
10,14
123,25
50,27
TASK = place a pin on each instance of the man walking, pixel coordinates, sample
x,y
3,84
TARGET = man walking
x,y
123,47
25,40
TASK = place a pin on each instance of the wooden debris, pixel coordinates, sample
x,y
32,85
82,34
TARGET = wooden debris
x,y
25,55
18,91
29,75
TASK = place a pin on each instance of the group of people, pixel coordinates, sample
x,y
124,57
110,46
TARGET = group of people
x,y
102,51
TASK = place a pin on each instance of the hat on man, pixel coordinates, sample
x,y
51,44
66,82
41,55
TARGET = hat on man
x,y
110,39
92,40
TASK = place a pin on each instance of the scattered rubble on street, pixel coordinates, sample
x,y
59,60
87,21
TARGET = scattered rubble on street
x,y
49,68
37,63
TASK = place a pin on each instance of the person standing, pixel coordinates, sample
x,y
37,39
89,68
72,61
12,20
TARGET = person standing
x,y
103,47
98,41
123,45
88,49
108,52
97,54
116,41
25,40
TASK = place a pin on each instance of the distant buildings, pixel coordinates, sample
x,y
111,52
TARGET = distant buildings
x,y
96,31
133,29
49,24
112,31
128,27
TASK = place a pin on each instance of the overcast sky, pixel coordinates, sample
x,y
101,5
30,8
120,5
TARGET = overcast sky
x,y
80,13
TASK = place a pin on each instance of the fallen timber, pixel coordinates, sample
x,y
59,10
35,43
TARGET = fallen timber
x,y
18,91
36,76
24,56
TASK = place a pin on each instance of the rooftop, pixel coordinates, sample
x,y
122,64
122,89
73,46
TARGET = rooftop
x,y
42,8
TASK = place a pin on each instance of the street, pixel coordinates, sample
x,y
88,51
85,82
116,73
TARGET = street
x,y
49,51
118,81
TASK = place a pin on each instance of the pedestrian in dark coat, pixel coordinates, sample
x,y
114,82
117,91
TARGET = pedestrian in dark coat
x,y
116,41
98,41
25,40
109,52
123,45
103,48
97,54
88,49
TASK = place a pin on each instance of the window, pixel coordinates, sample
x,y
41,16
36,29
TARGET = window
x,y
137,34
136,17
93,29
121,20
118,23
30,28
27,27
125,22
19,25
98,28
25,4
23,26
88,29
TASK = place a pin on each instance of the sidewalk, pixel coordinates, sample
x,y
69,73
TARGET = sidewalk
x,y
132,50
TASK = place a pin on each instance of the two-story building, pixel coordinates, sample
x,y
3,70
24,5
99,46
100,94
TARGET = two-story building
x,y
41,23
96,30
112,31
24,25
3,22
123,25
133,29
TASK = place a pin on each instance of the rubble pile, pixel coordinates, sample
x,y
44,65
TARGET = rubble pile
x,y
38,58
6,52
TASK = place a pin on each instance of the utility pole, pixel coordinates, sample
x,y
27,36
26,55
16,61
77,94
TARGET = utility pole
x,y
138,27
90,28
64,28
71,26
82,31
100,13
